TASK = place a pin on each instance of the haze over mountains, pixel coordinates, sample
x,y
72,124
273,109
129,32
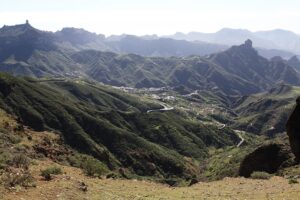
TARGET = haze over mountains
x,y
275,39
73,52
268,43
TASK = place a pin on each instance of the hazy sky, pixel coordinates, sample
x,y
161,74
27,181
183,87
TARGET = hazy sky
x,y
153,16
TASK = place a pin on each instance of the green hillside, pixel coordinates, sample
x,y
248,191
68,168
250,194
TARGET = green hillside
x,y
112,126
266,113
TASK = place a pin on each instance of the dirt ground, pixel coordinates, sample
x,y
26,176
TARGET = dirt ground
x,y
68,186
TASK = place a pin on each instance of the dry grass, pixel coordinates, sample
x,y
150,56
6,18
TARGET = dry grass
x,y
7,121
67,186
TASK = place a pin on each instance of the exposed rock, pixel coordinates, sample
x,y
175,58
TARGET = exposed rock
x,y
293,130
83,187
266,158
248,43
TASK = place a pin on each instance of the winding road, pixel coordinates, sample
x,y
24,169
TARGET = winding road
x,y
236,132
165,108
241,137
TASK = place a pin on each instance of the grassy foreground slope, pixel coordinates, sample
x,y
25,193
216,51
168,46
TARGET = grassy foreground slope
x,y
67,186
113,127
72,183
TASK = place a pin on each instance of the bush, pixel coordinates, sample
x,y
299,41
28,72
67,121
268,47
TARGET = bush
x,y
20,161
293,181
4,159
54,170
261,175
93,167
112,175
22,178
14,139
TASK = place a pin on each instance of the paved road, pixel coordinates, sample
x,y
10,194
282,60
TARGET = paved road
x,y
241,137
165,108
237,132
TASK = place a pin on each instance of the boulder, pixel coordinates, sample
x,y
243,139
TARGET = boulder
x,y
267,158
293,130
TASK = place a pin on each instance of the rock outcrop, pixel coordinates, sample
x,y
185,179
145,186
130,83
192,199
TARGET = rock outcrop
x,y
293,130
267,158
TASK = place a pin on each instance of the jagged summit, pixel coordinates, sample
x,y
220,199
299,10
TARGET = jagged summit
x,y
248,43
17,29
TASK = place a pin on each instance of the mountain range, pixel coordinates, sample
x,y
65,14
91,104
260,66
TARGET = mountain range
x,y
166,46
275,39
239,70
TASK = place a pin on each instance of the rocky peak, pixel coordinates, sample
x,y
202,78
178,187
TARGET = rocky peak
x,y
248,43
17,30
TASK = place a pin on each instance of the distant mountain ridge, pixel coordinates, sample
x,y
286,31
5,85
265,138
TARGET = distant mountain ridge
x,y
240,70
273,40
149,45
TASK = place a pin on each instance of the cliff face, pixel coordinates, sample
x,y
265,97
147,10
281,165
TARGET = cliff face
x,y
293,130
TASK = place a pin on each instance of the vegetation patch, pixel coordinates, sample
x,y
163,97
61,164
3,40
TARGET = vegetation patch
x,y
260,175
93,167
293,180
18,177
48,172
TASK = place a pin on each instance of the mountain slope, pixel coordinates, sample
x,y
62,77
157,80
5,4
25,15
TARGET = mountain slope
x,y
244,61
136,71
294,62
27,51
112,126
266,113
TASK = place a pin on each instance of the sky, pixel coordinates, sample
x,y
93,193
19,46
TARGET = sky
x,y
161,17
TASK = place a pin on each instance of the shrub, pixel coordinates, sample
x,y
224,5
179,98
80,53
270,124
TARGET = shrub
x,y
112,175
4,159
261,175
20,161
293,181
93,167
14,139
54,170
22,178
